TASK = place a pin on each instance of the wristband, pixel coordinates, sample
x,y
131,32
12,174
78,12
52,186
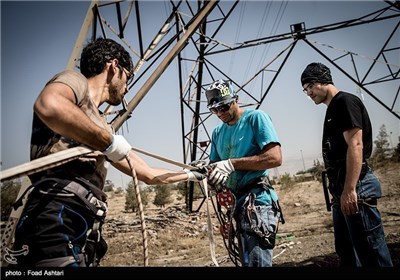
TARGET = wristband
x,y
118,149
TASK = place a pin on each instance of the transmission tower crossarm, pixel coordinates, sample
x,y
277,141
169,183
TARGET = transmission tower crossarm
x,y
191,28
82,36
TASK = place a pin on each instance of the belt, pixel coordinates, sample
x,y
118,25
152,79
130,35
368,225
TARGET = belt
x,y
255,183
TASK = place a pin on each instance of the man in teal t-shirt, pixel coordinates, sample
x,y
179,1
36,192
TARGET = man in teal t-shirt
x,y
243,147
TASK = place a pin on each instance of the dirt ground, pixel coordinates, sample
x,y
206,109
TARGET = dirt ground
x,y
176,238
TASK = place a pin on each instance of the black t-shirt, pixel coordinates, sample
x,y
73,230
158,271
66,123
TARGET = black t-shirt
x,y
345,111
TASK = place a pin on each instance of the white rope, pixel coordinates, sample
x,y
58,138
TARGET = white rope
x,y
203,183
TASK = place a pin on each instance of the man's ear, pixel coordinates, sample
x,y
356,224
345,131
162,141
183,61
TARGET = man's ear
x,y
111,68
113,65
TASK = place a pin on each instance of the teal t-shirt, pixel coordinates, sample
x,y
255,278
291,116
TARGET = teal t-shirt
x,y
246,137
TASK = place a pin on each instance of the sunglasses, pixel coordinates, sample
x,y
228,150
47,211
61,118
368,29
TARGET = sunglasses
x,y
129,75
222,108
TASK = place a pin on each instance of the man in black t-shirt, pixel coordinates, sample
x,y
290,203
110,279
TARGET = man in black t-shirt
x,y
355,189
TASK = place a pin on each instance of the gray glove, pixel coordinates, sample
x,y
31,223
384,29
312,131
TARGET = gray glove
x,y
198,172
118,149
220,171
196,175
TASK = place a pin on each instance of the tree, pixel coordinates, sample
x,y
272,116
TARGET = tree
x,y
396,153
382,150
163,195
131,202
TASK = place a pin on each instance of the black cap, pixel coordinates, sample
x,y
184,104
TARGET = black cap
x,y
316,73
220,92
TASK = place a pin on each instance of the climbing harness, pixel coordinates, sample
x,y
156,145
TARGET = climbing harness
x,y
226,203
257,227
91,197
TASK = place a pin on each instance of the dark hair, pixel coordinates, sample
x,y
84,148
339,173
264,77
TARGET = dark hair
x,y
316,73
100,51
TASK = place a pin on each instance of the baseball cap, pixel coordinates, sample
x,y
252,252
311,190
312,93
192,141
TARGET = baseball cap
x,y
219,93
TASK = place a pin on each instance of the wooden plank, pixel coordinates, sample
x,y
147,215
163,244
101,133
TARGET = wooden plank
x,y
44,163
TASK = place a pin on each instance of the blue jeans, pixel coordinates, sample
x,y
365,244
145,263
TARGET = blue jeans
x,y
253,252
360,238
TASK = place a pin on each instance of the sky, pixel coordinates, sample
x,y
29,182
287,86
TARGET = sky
x,y
37,40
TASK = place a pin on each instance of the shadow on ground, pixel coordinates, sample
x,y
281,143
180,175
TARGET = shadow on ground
x,y
332,260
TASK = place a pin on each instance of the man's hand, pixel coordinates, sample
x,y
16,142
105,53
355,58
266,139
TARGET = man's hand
x,y
219,172
196,175
118,149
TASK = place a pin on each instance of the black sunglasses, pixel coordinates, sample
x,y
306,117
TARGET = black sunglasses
x,y
222,108
129,75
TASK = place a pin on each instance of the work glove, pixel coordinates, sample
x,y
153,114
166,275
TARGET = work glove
x,y
196,174
118,149
219,172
